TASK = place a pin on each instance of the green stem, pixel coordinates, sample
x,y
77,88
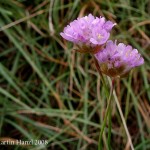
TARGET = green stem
x,y
109,129
105,118
100,73
108,111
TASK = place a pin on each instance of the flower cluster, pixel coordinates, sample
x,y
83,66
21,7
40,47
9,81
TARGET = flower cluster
x,y
118,60
88,31
91,35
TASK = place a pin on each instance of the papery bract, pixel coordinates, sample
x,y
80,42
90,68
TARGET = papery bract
x,y
118,60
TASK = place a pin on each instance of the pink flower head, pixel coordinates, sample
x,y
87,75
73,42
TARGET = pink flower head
x,y
88,30
118,60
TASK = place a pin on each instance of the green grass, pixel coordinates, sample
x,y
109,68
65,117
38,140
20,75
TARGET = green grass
x,y
49,92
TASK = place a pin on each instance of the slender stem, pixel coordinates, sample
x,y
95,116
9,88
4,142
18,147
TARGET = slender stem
x,y
109,99
107,110
98,69
109,128
105,118
124,123
100,73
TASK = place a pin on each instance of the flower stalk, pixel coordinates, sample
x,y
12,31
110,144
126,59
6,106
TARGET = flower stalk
x,y
106,115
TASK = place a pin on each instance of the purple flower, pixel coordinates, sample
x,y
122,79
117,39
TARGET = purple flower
x,y
118,60
88,30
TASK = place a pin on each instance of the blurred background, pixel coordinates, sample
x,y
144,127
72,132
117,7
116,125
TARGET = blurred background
x,y
50,92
